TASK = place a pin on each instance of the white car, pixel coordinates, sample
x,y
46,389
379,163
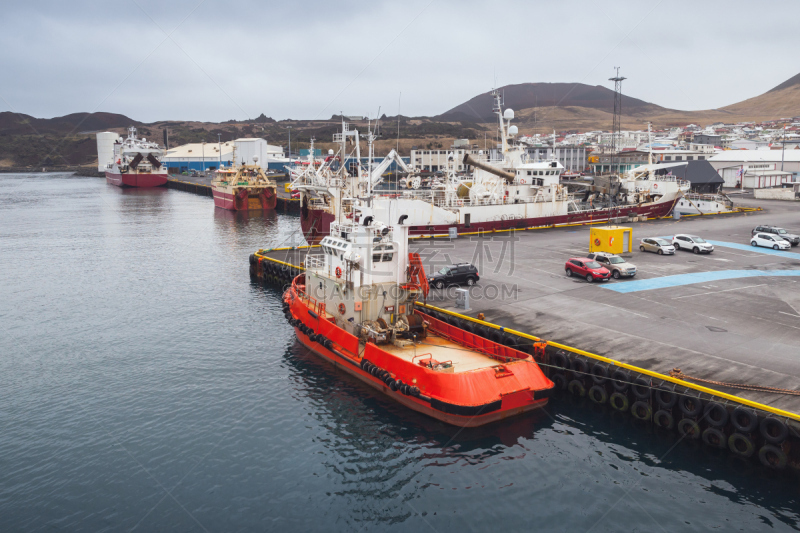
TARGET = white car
x,y
694,243
770,241
657,245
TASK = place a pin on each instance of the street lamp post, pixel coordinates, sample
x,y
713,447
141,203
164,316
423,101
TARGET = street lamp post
x,y
204,155
290,141
219,149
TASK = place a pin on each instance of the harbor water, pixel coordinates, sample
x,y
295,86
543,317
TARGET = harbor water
x,y
146,384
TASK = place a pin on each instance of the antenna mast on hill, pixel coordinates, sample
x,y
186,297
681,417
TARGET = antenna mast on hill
x,y
617,113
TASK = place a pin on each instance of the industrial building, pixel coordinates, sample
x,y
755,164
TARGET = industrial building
x,y
210,156
755,169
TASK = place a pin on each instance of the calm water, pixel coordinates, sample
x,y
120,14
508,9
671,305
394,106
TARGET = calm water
x,y
146,384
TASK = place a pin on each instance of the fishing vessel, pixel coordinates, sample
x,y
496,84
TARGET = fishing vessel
x,y
244,187
136,163
703,204
354,306
511,191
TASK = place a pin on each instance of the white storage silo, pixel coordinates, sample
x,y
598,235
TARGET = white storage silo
x,y
105,148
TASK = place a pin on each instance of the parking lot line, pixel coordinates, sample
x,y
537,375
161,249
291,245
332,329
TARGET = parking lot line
x,y
715,292
690,279
756,249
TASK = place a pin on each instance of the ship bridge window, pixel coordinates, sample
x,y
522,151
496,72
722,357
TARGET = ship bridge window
x,y
382,253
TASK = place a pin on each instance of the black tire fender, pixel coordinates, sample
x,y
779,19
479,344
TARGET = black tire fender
x,y
744,420
579,368
666,397
598,394
559,360
560,380
619,402
715,438
576,387
772,457
641,411
689,429
641,388
621,379
664,419
690,405
600,373
741,445
773,430
716,414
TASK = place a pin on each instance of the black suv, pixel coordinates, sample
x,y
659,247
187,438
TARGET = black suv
x,y
794,240
455,275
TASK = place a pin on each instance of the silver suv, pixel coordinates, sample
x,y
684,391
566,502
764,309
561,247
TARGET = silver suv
x,y
793,239
618,266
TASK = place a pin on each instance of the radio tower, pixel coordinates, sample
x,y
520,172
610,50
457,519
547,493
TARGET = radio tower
x,y
617,113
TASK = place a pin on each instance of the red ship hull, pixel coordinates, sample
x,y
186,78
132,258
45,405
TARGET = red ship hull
x,y
235,202
136,180
315,223
469,399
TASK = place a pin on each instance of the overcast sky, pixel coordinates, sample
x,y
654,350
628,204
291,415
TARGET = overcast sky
x,y
213,60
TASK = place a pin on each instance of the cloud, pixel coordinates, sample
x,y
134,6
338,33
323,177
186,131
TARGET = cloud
x,y
238,59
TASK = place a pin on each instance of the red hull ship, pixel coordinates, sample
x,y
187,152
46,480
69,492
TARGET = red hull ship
x,y
244,188
316,223
136,180
136,163
338,309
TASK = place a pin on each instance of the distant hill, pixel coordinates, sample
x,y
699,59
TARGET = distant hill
x,y
781,101
20,124
543,95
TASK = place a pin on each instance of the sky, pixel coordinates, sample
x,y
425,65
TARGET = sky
x,y
215,60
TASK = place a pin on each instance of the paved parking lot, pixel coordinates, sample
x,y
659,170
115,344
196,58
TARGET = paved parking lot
x,y
734,316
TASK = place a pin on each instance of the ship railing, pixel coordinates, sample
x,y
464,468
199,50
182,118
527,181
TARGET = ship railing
x,y
312,303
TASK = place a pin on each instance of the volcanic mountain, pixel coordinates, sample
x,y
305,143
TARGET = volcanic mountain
x,y
543,95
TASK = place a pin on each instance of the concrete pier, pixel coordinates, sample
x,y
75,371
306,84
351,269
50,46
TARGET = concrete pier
x,y
732,316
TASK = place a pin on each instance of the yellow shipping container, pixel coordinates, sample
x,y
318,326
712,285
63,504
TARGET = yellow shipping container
x,y
611,239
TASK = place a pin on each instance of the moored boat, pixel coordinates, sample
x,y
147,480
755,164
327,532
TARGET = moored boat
x,y
512,191
355,307
136,163
244,187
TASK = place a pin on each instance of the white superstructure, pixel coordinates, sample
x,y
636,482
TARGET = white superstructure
x,y
105,149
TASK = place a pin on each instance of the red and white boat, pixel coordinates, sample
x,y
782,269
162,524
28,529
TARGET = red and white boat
x,y
354,307
512,191
244,187
136,163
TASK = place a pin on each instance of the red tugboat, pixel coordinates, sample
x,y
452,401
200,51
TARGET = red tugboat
x,y
137,163
244,187
354,307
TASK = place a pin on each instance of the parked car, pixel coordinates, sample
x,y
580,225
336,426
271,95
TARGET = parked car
x,y
691,242
586,268
657,245
769,240
618,267
455,275
793,239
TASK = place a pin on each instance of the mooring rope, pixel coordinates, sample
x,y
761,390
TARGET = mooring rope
x,y
676,373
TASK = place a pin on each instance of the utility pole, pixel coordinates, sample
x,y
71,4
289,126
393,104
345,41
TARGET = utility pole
x,y
204,155
617,113
219,149
290,141
783,146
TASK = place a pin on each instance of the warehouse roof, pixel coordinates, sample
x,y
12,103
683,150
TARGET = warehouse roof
x,y
698,172
751,156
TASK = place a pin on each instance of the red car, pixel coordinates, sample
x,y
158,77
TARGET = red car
x,y
586,268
